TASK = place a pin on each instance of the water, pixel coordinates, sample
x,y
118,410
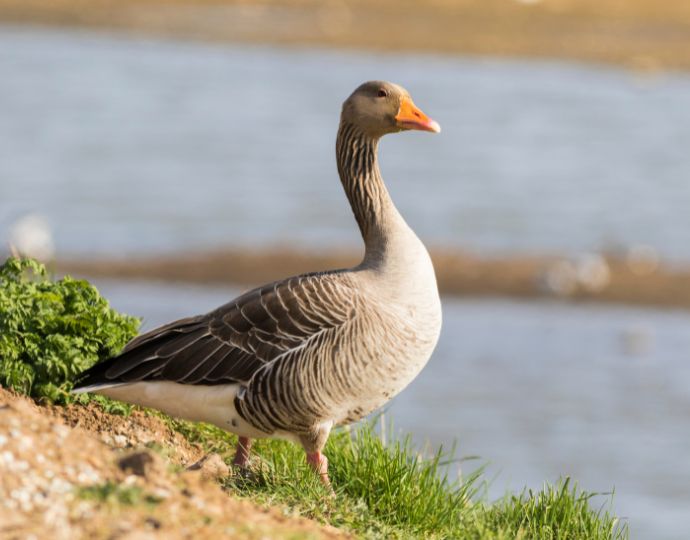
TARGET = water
x,y
539,391
138,146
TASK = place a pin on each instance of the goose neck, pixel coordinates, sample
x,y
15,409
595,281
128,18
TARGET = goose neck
x,y
374,211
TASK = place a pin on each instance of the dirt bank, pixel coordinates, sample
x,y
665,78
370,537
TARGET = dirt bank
x,y
633,278
644,34
76,472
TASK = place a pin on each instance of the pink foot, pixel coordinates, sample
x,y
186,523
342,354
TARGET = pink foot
x,y
244,444
319,463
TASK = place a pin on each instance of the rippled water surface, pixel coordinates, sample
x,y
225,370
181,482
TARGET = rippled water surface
x,y
132,145
538,391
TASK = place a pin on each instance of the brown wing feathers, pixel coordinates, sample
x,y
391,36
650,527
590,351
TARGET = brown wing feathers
x,y
229,344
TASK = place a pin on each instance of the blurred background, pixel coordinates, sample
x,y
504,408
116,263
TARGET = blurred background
x,y
178,152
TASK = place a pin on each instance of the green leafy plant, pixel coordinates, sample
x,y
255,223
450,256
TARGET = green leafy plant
x,y
52,330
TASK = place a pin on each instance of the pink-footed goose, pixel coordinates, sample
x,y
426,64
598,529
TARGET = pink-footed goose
x,y
294,358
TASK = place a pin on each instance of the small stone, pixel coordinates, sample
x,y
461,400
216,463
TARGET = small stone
x,y
120,441
153,523
212,467
107,439
137,463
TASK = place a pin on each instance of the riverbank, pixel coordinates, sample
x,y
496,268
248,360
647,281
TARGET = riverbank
x,y
635,278
89,467
79,471
641,34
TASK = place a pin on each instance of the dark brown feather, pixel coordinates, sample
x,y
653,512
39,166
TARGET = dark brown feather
x,y
230,344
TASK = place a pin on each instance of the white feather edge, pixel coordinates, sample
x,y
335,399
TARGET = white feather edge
x,y
198,403
94,388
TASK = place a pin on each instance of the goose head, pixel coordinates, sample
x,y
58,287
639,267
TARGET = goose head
x,y
380,107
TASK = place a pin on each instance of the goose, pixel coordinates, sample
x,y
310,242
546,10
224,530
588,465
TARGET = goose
x,y
296,357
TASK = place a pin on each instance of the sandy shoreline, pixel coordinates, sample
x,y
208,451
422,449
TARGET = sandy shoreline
x,y
597,279
641,34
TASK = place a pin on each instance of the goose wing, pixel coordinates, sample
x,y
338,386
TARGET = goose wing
x,y
233,342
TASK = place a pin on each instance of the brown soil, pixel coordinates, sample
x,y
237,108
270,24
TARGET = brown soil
x,y
56,462
628,282
644,34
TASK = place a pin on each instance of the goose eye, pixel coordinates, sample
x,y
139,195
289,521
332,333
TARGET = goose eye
x,y
383,93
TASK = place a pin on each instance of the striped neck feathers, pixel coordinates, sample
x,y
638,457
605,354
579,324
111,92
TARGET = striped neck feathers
x,y
376,216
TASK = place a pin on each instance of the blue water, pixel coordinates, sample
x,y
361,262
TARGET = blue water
x,y
137,145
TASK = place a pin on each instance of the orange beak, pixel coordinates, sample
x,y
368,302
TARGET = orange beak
x,y
410,117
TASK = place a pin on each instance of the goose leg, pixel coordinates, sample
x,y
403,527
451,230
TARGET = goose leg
x,y
319,463
241,459
313,444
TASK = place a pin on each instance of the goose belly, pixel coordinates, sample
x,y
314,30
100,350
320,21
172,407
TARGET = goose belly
x,y
383,371
198,403
400,328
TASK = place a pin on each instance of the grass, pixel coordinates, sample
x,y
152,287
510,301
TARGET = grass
x,y
113,493
390,491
